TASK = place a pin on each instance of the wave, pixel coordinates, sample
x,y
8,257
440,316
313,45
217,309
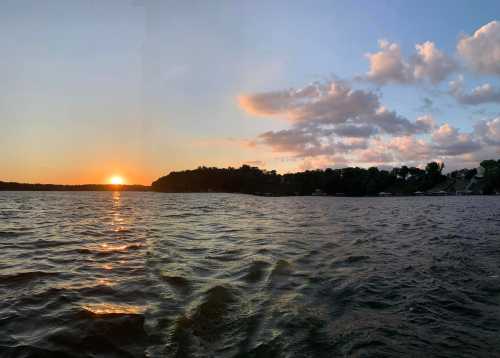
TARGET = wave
x,y
26,276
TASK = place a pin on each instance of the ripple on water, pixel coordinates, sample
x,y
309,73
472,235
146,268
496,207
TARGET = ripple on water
x,y
219,275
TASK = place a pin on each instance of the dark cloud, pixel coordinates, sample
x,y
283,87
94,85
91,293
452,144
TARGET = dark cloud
x,y
355,130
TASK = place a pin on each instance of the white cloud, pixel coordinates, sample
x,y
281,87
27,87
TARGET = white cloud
x,y
448,141
489,131
481,51
388,65
431,63
427,64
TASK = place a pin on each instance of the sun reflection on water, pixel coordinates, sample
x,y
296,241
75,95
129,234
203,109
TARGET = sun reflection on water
x,y
116,244
111,308
107,267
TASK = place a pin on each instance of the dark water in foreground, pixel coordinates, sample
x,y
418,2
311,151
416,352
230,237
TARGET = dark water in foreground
x,y
215,275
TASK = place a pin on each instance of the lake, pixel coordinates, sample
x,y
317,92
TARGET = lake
x,y
130,274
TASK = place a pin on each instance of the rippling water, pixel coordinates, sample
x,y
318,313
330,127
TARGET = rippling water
x,y
216,275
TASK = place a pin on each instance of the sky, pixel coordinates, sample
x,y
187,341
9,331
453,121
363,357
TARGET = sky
x,y
92,89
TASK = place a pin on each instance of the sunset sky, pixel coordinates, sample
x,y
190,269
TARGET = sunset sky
x,y
92,89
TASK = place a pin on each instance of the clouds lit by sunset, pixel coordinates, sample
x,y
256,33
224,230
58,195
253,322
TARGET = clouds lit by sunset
x,y
146,87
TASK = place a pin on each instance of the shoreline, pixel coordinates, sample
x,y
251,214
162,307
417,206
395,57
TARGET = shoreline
x,y
267,195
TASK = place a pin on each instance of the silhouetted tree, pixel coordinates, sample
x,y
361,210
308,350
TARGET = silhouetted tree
x,y
350,181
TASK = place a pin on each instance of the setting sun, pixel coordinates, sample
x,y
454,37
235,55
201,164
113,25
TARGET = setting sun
x,y
117,180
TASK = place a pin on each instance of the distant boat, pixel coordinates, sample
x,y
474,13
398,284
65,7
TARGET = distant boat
x,y
383,193
419,193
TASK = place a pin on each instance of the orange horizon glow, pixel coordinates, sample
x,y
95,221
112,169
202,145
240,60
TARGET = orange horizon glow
x,y
117,180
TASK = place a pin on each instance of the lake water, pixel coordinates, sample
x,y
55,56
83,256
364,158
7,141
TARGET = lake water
x,y
110,274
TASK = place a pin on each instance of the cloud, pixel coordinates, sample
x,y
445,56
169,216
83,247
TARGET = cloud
x,y
301,143
332,120
392,123
427,64
431,63
489,131
332,102
481,51
409,148
291,141
388,65
448,141
445,142
332,107
355,130
323,162
485,93
376,154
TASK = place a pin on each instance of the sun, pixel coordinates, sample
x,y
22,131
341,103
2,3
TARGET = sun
x,y
116,180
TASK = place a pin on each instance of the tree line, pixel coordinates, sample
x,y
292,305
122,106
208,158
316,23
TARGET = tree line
x,y
352,181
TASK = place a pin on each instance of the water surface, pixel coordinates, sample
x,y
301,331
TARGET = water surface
x,y
110,274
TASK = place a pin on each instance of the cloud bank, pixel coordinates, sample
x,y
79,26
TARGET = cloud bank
x,y
332,123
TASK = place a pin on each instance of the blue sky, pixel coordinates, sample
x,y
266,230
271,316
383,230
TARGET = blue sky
x,y
139,88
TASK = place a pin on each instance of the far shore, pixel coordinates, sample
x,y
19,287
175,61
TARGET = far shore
x,y
22,187
13,186
350,181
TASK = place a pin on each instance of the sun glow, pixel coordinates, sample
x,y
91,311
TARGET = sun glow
x,y
116,180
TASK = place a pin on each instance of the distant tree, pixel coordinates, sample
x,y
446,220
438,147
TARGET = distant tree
x,y
404,171
433,175
434,168
416,171
350,181
491,176
470,174
490,163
